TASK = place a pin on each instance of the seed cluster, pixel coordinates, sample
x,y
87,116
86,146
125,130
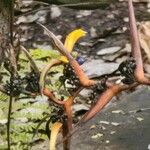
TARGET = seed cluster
x,y
69,78
17,85
14,86
126,69
97,89
32,80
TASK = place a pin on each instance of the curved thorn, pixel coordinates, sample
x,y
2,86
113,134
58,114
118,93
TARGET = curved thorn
x,y
52,97
45,70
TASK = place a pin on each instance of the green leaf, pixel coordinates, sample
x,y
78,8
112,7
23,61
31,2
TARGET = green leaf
x,y
43,54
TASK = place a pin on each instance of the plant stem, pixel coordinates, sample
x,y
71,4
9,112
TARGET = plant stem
x,y
66,143
9,120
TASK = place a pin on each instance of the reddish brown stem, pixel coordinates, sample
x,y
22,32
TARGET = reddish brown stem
x,y
65,131
104,99
66,104
68,123
136,51
101,102
84,80
52,97
68,111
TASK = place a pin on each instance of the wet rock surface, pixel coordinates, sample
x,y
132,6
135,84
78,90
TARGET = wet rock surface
x,y
123,125
95,68
106,28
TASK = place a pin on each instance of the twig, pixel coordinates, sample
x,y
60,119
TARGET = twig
x,y
9,121
33,64
104,99
45,70
139,110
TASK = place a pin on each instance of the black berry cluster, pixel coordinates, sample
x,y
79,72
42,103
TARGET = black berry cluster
x,y
70,78
32,80
97,89
14,86
126,69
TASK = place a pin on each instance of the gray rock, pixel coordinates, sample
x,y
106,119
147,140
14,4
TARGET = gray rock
x,y
79,107
96,68
55,12
131,134
109,50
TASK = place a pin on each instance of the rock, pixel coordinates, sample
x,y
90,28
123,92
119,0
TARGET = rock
x,y
111,57
115,123
79,107
3,121
109,50
104,122
83,13
98,135
40,16
55,12
95,68
85,93
123,131
140,119
93,32
148,146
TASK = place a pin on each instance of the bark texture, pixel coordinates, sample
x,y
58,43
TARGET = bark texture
x,y
5,21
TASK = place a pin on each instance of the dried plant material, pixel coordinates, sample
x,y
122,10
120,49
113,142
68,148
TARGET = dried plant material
x,y
92,126
144,37
140,119
98,135
112,132
54,132
107,141
103,128
117,112
115,123
104,122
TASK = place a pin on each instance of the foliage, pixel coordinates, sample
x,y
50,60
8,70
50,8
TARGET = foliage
x,y
27,112
31,114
